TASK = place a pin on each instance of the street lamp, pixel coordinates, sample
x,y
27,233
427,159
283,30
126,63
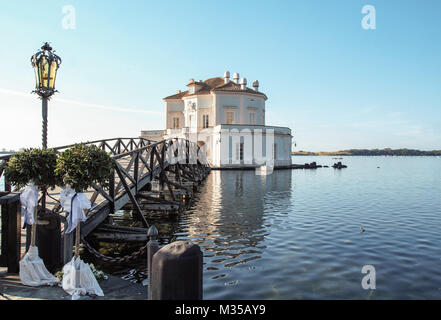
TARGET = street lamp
x,y
46,64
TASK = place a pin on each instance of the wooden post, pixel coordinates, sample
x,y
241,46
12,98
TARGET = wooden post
x,y
14,241
177,272
152,248
136,171
67,245
161,182
11,240
4,232
77,240
112,191
152,154
78,236
77,253
68,242
34,228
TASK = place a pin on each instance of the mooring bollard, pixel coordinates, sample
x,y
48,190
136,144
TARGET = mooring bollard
x,y
177,272
152,248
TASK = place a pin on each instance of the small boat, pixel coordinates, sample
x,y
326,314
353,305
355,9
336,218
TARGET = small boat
x,y
339,165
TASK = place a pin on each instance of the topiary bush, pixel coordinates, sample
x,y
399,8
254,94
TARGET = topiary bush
x,y
32,165
82,165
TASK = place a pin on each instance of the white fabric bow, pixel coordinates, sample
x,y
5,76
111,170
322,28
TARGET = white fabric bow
x,y
29,199
75,204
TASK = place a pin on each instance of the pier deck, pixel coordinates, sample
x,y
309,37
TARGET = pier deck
x,y
113,288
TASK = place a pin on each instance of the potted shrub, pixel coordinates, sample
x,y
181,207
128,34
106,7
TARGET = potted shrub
x,y
32,169
36,166
78,168
83,165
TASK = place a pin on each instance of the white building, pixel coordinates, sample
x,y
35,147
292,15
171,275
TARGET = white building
x,y
227,119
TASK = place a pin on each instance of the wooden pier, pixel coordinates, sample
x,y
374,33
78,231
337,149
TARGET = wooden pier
x,y
147,176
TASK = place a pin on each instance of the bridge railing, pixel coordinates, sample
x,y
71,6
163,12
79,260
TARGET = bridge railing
x,y
135,169
113,146
137,161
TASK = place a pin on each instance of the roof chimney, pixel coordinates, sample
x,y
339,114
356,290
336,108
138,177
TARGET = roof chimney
x,y
256,85
227,76
178,91
243,84
236,78
191,80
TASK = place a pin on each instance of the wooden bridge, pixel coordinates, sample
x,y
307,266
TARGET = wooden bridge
x,y
147,175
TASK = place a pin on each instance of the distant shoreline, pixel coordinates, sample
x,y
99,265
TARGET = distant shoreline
x,y
371,152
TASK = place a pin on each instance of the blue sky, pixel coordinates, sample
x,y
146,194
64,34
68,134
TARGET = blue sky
x,y
336,85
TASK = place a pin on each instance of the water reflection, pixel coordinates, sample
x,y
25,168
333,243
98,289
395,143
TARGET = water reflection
x,y
228,219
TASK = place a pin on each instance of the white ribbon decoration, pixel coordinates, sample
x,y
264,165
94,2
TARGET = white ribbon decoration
x,y
29,199
79,203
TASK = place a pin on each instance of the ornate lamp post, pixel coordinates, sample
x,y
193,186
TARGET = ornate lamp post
x,y
46,64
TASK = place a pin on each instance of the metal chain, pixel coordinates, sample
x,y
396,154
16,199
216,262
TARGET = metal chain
x,y
135,255
56,200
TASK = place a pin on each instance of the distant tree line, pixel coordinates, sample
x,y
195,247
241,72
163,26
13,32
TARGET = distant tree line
x,y
372,152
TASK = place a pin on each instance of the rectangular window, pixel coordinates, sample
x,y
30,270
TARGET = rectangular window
x,y
229,117
205,121
239,151
175,123
275,151
252,118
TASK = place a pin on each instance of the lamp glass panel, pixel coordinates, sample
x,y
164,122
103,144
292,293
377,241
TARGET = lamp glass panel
x,y
44,72
37,78
40,73
53,72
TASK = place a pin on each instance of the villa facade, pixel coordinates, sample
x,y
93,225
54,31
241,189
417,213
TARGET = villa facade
x,y
227,119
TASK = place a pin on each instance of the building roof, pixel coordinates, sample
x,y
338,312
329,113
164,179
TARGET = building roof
x,y
179,95
216,84
196,83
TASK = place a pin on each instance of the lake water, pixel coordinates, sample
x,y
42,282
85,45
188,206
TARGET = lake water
x,y
296,234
